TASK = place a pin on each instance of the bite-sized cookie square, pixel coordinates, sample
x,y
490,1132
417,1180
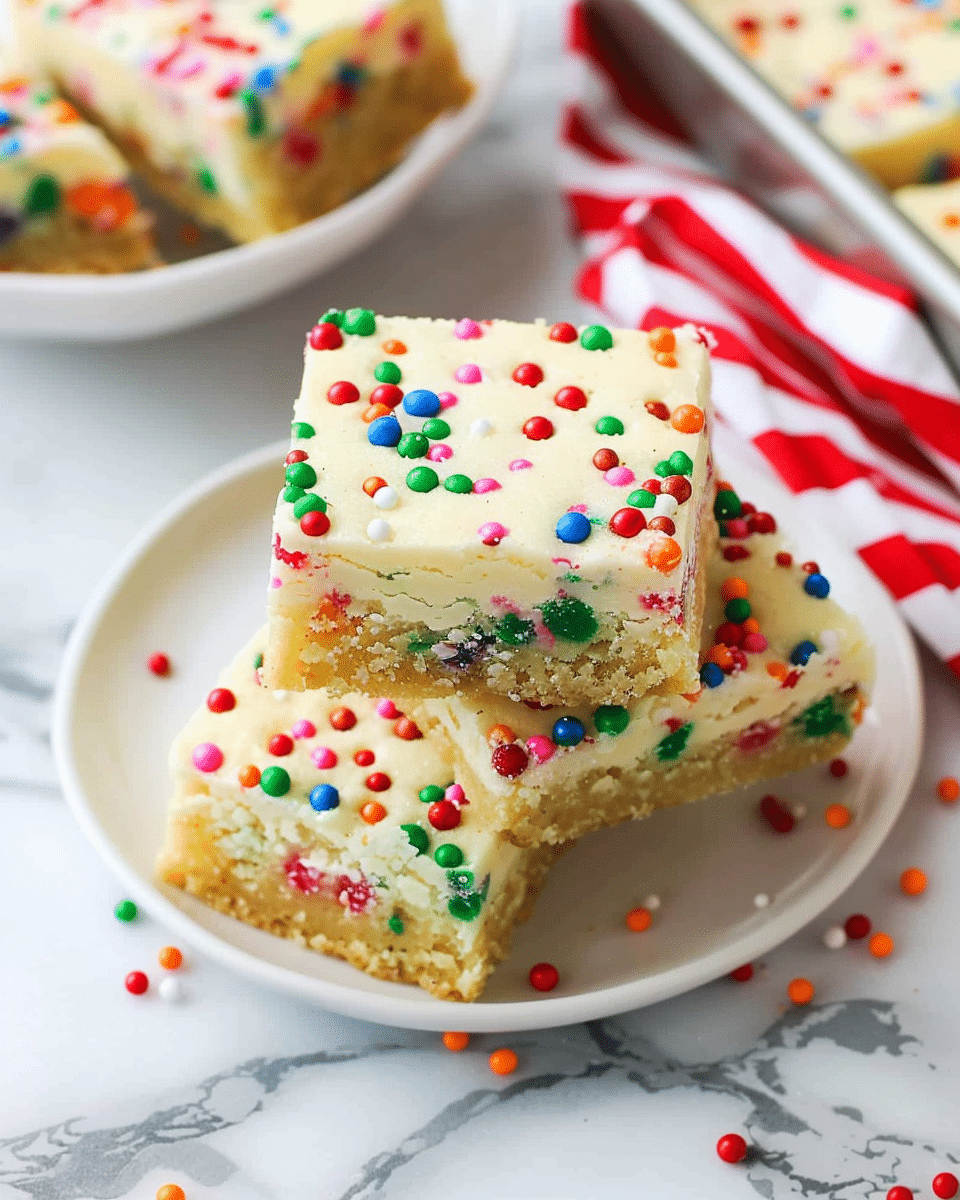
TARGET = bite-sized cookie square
x,y
492,505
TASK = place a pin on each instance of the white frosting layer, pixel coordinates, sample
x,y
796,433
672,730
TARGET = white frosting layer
x,y
935,208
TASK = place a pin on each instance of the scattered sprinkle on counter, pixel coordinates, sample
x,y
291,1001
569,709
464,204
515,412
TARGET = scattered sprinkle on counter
x,y
913,882
880,945
171,1191
170,958
503,1061
732,1148
125,911
838,816
835,938
742,974
857,926
801,991
456,1041
136,983
945,1185
948,789
544,977
639,919
159,664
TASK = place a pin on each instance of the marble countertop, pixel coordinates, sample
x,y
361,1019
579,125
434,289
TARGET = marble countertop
x,y
237,1092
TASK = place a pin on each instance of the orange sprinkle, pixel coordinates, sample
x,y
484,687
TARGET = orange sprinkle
x,y
948,789
800,991
838,816
394,347
373,484
372,812
456,1041
372,411
249,776
175,878
778,670
951,220
639,919
723,486
720,654
171,1191
170,958
693,697
662,339
665,360
687,418
859,708
189,233
16,83
64,113
880,945
913,881
734,588
750,625
105,206
500,735
664,555
503,1061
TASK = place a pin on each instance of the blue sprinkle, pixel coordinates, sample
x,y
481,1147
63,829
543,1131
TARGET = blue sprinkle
x,y
816,585
281,25
710,675
800,654
568,731
573,527
384,431
264,79
421,403
4,117
324,797
10,146
350,75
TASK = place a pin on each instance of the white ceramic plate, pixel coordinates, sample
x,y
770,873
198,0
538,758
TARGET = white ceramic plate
x,y
212,284
193,585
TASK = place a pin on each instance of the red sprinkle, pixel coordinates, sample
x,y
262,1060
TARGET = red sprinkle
x,y
563,331
777,817
677,486
509,759
343,719
900,1193
945,1185
538,429
443,814
136,983
159,664
784,559
732,1148
301,146
314,523
657,408
654,485
387,394
571,398
364,758
662,525
544,977
528,374
627,522
280,745
839,768
296,456
606,459
325,336
735,553
810,567
343,392
221,700
761,522
857,927
405,728
378,781
743,974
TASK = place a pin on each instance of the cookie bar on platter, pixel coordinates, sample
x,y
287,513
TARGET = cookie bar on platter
x,y
785,676
253,117
492,505
334,822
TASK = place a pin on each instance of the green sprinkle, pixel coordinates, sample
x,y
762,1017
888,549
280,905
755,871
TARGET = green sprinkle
x,y
448,855
514,631
43,196
206,181
310,502
680,463
395,925
43,96
570,620
461,484
266,14
848,11
596,337
431,794
302,429
727,505
954,25
333,316
360,321
258,662
301,474
413,445
418,837
737,610
823,719
253,109
275,781
466,908
434,428
611,718
421,644
387,372
422,479
641,498
609,426
126,910
292,493
674,744
462,882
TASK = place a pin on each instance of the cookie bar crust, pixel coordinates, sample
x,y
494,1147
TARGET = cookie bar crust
x,y
65,244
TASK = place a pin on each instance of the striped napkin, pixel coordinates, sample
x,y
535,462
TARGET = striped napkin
x,y
828,371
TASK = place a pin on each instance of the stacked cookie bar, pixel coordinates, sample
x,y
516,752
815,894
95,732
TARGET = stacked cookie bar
x,y
502,613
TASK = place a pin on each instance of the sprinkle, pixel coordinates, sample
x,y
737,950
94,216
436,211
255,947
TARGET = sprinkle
x,y
492,533
638,919
509,760
280,745
444,814
619,477
125,911
563,331
136,983
207,757
838,816
857,927
913,882
627,522
440,452
777,817
880,945
486,485
468,373
314,523
761,900
406,729
541,748
664,505
609,427
816,585
611,719
945,1185
948,789
171,991
687,418
359,321
447,400
303,729
456,1041
385,498
711,675
171,1191
372,812
418,837
423,479
538,429
800,991
481,427
521,464
393,346
731,1148
323,758
664,554
249,776
897,1192
544,977
379,530
384,431
456,795
503,1062
170,958
159,664
421,403
467,329
528,375
596,337
573,528
340,393
571,398
568,731
343,718
275,781
835,938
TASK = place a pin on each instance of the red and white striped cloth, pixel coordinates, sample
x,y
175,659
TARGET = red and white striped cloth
x,y
826,370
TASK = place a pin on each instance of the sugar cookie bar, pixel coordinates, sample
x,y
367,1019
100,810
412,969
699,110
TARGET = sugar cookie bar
x,y
935,209
333,822
65,201
253,117
880,79
494,505
784,679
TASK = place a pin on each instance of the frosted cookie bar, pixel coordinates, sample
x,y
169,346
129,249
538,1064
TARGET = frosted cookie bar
x,y
516,507
335,823
253,117
783,682
935,209
880,79
65,203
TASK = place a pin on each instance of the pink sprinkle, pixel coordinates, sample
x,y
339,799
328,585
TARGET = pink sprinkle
x,y
619,476
323,758
374,21
755,643
542,748
207,757
486,485
387,708
448,399
467,329
439,452
577,508
492,533
468,373
276,582
521,464
737,528
455,794
303,729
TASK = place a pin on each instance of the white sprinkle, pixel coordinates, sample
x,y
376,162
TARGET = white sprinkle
x,y
665,505
481,427
385,497
379,530
799,811
652,902
829,640
281,695
835,938
171,990
443,651
761,900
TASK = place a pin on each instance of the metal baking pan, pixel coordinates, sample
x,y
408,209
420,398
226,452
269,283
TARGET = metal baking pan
x,y
760,144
